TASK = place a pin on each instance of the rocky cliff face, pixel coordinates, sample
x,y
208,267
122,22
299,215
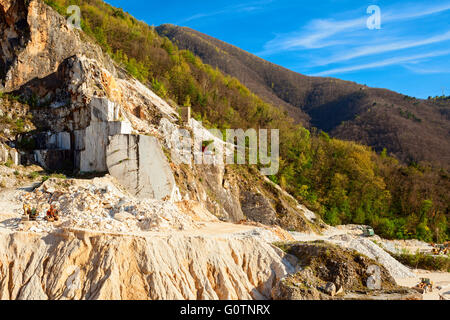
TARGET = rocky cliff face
x,y
82,102
84,265
35,40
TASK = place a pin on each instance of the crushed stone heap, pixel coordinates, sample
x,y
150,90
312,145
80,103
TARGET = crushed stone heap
x,y
99,205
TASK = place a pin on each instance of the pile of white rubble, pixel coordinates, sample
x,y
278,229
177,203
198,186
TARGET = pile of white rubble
x,y
100,205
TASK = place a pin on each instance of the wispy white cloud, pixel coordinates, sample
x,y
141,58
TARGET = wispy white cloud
x,y
202,15
241,8
427,69
322,33
391,46
313,35
415,11
383,63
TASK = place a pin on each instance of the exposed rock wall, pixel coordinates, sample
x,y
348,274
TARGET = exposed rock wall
x,y
79,265
139,163
9,154
35,40
258,208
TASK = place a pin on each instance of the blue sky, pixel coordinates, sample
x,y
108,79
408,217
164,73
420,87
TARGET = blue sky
x,y
410,53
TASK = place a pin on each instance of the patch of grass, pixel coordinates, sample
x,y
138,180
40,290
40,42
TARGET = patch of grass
x,y
54,176
20,125
424,261
284,246
168,154
34,175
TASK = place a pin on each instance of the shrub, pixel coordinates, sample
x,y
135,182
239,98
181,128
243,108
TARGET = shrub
x,y
20,125
9,163
34,175
332,217
387,228
424,261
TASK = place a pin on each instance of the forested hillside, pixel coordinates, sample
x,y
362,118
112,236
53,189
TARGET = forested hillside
x,y
413,130
344,181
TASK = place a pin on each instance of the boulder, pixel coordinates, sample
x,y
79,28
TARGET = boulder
x,y
329,289
7,153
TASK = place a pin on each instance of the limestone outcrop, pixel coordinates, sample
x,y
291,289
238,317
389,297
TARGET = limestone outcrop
x,y
83,265
35,40
139,163
257,208
44,58
142,242
86,109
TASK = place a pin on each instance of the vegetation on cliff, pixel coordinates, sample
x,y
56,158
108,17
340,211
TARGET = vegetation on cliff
x,y
424,261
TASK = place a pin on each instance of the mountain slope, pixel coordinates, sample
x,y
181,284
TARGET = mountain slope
x,y
411,129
